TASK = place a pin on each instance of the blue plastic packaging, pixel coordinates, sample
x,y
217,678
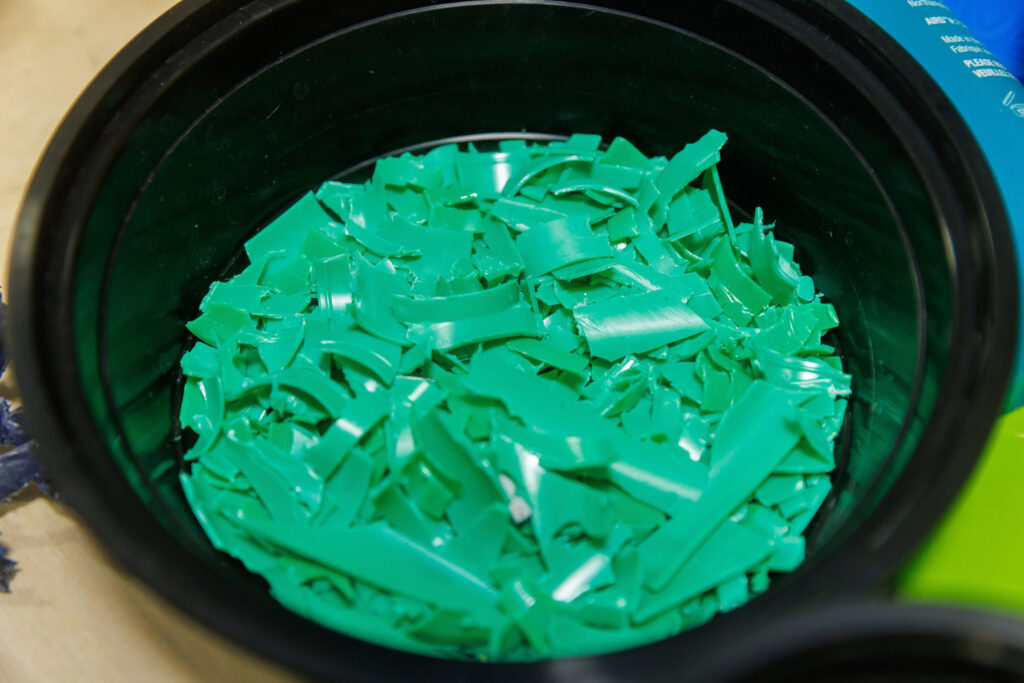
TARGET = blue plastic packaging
x,y
999,24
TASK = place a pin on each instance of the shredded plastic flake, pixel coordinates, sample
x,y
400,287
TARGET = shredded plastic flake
x,y
544,401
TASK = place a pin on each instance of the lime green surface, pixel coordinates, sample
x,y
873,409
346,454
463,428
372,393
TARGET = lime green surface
x,y
977,555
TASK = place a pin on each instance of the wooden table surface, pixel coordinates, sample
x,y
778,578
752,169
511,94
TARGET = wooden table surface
x,y
73,615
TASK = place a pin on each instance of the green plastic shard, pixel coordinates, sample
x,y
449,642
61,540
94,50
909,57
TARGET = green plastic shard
x,y
753,438
690,164
660,475
730,551
550,355
385,559
518,321
218,324
621,152
536,402
616,328
558,243
284,235
373,290
459,307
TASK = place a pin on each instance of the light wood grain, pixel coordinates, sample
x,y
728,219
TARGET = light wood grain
x,y
72,615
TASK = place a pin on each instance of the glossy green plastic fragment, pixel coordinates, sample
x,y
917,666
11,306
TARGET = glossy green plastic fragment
x,y
558,243
730,551
622,152
634,324
458,307
739,286
689,164
539,402
753,437
780,488
218,324
549,354
471,478
693,214
542,401
518,321
373,289
790,554
285,234
557,453
385,559
659,475
346,490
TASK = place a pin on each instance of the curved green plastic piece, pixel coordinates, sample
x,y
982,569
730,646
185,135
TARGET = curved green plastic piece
x,y
618,327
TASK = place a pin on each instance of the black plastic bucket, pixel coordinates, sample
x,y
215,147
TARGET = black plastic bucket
x,y
224,112
876,642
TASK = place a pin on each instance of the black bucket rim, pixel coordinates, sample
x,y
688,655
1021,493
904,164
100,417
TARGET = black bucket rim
x,y
865,637
885,538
